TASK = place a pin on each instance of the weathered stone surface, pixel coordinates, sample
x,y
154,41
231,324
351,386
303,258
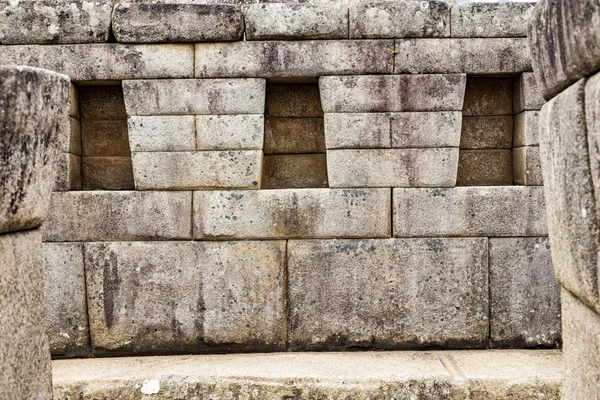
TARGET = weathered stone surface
x,y
565,43
491,20
186,296
105,138
434,167
74,102
399,19
68,172
103,216
294,59
490,132
162,133
170,22
370,93
357,130
524,295
24,353
294,171
65,299
426,129
485,168
194,96
55,21
296,21
107,173
395,293
527,129
488,96
32,102
592,116
526,94
294,100
453,56
527,168
292,213
294,135
470,211
230,132
69,135
84,62
102,103
192,170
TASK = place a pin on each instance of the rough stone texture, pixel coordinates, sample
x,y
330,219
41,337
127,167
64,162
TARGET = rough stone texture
x,y
572,213
105,138
68,172
395,293
524,296
470,56
526,94
527,168
104,216
32,103
491,20
357,130
488,96
426,129
55,21
294,135
84,62
107,173
194,96
193,170
230,132
102,102
162,133
65,299
470,211
527,130
399,19
289,59
295,100
565,43
295,171
167,22
69,135
434,167
485,168
370,93
296,21
74,102
292,213
491,132
592,116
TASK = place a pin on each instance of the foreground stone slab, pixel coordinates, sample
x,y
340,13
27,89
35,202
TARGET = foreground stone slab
x,y
230,132
169,22
101,216
348,293
491,20
357,130
527,168
292,213
470,211
161,133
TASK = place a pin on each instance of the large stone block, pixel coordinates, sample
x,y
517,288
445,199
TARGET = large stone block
x,y
527,168
107,173
485,168
294,135
369,93
294,100
489,132
287,171
395,293
68,172
527,129
296,21
162,133
102,103
491,20
426,129
526,94
454,56
127,216
55,21
294,59
171,22
524,295
65,299
194,96
157,297
357,130
230,132
192,170
399,19
292,213
105,138
434,167
488,96
470,211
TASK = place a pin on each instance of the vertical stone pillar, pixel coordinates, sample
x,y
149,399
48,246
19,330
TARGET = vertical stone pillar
x,y
31,102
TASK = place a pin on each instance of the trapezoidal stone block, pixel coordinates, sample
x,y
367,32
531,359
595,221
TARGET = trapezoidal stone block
x,y
357,130
426,129
470,211
527,167
292,213
230,132
491,20
363,293
162,133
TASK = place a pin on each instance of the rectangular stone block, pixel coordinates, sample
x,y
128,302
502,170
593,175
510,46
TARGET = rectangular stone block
x,y
524,295
230,132
287,171
162,133
454,56
357,130
102,103
526,93
394,293
193,170
68,172
294,59
489,132
294,135
527,129
65,299
370,93
295,100
434,167
69,135
527,166
125,215
470,211
292,213
194,96
485,168
107,173
105,138
283,21
171,22
426,129
159,297
488,96
491,20
399,19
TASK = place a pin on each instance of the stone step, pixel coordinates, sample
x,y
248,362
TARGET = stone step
x,y
484,374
